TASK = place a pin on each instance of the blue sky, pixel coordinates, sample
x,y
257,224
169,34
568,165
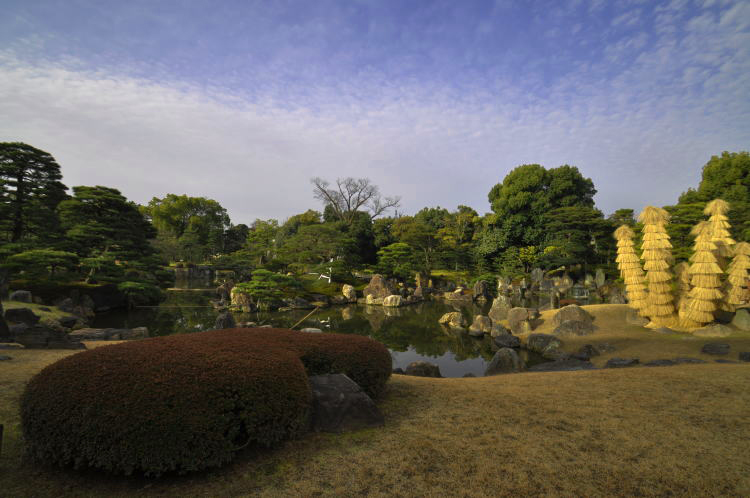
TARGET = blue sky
x,y
436,102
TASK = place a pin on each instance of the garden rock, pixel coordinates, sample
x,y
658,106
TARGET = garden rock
x,y
715,330
518,315
481,325
572,312
660,363
506,360
393,301
689,360
586,352
339,405
724,360
633,318
621,362
742,319
372,300
563,365
506,340
21,315
454,320
378,288
715,348
481,291
5,358
501,305
468,375
40,337
225,321
349,293
617,298
574,328
134,333
723,316
298,303
744,356
664,330
110,334
22,296
311,330
546,345
422,369
498,329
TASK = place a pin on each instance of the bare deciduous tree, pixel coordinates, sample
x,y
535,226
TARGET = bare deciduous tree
x,y
350,195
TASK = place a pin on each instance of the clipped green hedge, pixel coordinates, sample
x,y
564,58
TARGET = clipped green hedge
x,y
186,402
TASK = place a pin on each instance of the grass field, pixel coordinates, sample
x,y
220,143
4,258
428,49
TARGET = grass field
x,y
677,431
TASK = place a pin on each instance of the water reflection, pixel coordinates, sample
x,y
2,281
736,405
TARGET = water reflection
x,y
411,333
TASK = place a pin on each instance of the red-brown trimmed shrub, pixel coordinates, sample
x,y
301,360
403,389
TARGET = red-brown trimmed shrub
x,y
186,402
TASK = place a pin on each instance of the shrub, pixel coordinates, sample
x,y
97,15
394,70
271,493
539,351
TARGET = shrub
x,y
186,402
141,293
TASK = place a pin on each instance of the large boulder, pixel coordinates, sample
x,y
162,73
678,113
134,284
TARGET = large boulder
x,y
481,291
242,300
546,345
573,313
498,329
42,337
22,296
480,326
378,288
741,319
298,303
454,320
633,318
714,330
570,327
422,369
339,405
521,320
506,340
506,360
501,305
349,293
225,321
66,305
21,315
393,301
372,300
110,334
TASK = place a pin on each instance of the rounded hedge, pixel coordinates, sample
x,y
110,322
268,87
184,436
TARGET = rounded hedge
x,y
186,402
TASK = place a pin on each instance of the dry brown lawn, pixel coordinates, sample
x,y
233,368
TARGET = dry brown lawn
x,y
674,431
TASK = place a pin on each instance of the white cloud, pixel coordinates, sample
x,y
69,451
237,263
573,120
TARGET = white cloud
x,y
642,134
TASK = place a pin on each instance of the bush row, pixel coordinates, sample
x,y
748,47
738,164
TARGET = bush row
x,y
186,402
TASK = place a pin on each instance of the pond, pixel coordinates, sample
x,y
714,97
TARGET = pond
x,y
411,333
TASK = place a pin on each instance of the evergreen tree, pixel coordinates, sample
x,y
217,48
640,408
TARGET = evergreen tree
x,y
30,190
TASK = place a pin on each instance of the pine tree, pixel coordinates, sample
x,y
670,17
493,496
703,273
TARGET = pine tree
x,y
30,190
705,279
657,254
630,268
737,281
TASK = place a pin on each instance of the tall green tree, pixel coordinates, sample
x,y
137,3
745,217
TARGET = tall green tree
x,y
197,223
30,190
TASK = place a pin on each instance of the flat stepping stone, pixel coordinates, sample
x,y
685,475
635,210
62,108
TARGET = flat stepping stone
x,y
660,363
563,365
689,360
622,362
745,356
724,360
715,348
5,358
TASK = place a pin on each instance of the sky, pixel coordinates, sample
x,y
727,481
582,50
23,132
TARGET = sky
x,y
245,101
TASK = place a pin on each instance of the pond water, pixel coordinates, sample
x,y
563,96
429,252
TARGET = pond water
x,y
411,333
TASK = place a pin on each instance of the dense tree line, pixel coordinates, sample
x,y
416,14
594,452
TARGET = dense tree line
x,y
539,217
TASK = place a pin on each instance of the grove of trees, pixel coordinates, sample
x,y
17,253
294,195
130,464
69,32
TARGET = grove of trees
x,y
539,217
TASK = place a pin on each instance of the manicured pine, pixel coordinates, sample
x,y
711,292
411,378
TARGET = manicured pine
x,y
656,252
737,292
631,272
705,278
718,222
